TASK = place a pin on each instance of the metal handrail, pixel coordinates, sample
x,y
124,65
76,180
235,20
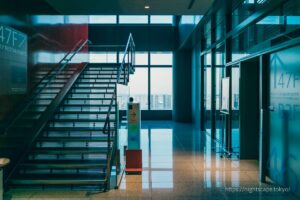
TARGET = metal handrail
x,y
37,128
127,68
49,77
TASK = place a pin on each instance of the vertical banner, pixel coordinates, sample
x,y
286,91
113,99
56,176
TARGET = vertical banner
x,y
13,57
134,125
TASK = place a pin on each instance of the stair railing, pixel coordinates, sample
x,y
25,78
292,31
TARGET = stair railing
x,y
68,57
124,70
47,78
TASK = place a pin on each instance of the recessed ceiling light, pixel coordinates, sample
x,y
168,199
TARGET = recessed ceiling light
x,y
147,6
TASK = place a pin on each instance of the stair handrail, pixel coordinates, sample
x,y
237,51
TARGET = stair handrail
x,y
50,76
126,68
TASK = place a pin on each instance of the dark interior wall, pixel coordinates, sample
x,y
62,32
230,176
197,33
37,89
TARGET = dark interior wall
x,y
50,38
182,92
249,109
146,37
41,38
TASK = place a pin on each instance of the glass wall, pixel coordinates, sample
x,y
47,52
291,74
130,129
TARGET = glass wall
x,y
123,19
254,27
220,74
235,78
207,91
103,57
151,84
161,88
138,87
133,19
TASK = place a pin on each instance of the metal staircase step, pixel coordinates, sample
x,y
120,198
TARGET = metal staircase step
x,y
77,129
63,164
79,120
69,150
71,98
83,112
86,105
92,92
59,179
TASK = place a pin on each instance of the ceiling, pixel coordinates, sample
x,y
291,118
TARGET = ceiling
x,y
130,7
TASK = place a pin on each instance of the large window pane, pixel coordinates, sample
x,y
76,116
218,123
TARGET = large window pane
x,y
138,87
48,19
161,58
161,19
103,57
141,58
102,19
133,19
161,88
76,19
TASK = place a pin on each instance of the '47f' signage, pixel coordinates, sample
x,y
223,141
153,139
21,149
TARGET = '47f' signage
x,y
13,58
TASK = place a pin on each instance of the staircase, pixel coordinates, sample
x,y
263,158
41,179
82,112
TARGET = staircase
x,y
72,150
76,149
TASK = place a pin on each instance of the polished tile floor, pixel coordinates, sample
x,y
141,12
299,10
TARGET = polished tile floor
x,y
179,162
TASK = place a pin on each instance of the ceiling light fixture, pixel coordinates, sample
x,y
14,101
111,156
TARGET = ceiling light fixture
x,y
147,6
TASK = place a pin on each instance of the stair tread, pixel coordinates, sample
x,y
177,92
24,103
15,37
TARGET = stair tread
x,y
76,128
86,105
58,179
46,164
86,98
70,150
80,120
83,112
72,138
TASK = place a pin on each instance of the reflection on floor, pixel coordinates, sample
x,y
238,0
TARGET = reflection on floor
x,y
221,137
179,162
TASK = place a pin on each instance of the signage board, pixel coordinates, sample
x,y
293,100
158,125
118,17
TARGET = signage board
x,y
13,57
134,125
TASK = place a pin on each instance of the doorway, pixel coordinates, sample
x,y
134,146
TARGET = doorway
x,y
248,109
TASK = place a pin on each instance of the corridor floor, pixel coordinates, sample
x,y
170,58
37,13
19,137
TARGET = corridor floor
x,y
179,162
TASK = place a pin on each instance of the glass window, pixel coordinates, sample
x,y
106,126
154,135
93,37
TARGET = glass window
x,y
103,57
293,20
133,19
161,88
138,86
161,19
102,19
270,20
141,58
190,19
48,19
235,87
161,58
77,19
